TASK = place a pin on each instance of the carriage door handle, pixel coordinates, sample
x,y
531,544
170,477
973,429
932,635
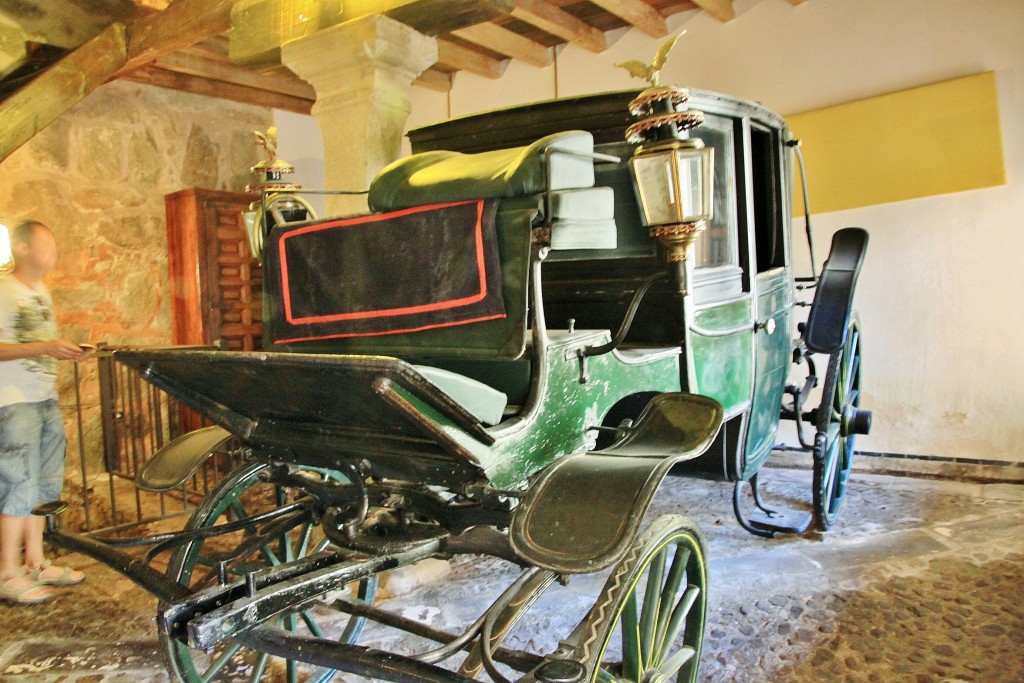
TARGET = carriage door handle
x,y
768,325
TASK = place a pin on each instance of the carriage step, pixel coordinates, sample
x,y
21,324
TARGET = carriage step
x,y
51,511
781,522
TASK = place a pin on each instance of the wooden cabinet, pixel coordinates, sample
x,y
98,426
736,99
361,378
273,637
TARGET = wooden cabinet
x,y
216,284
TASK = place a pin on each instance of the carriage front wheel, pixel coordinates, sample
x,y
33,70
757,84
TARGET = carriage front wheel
x,y
648,622
198,565
838,420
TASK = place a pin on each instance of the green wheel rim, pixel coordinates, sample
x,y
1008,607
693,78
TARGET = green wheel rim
x,y
193,565
834,445
648,624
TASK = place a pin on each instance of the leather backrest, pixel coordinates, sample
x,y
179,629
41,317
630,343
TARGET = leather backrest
x,y
439,176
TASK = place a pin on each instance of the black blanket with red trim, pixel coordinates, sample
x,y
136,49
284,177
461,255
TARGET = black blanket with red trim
x,y
415,269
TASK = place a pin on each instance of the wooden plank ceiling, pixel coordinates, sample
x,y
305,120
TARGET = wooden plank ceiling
x,y
531,33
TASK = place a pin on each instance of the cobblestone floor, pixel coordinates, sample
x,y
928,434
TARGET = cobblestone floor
x,y
920,581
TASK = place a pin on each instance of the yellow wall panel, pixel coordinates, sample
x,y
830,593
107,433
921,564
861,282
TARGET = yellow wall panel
x,y
925,141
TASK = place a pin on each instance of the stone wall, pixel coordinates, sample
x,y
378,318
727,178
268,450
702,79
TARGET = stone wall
x,y
98,176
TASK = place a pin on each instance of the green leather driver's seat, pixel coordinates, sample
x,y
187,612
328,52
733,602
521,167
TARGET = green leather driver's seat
x,y
582,216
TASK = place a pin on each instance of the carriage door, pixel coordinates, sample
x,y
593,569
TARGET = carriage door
x,y
720,337
773,292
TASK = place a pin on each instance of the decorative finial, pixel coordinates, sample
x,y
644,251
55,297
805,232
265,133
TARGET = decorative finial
x,y
270,169
651,72
268,141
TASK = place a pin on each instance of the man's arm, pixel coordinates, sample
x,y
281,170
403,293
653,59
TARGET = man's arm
x,y
60,349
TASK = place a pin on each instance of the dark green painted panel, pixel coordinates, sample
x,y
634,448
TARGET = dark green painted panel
x,y
723,365
568,408
725,316
772,360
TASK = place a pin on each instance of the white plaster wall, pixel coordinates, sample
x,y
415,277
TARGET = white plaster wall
x,y
938,296
299,143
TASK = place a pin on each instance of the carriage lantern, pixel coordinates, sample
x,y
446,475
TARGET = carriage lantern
x,y
278,202
673,172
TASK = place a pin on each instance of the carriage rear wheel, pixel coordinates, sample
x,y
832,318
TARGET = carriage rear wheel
x,y
647,626
197,565
838,422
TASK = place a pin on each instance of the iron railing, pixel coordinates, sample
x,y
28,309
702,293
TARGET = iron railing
x,y
135,420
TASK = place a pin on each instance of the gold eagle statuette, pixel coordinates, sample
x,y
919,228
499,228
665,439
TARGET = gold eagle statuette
x,y
268,141
651,72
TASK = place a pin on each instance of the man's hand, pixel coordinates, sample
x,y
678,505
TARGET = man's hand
x,y
62,349
86,351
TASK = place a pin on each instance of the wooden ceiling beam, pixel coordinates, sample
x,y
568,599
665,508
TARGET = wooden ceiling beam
x,y
797,2
557,22
260,27
507,42
437,17
459,58
674,8
638,13
116,51
719,9
215,48
194,65
60,87
243,94
435,79
183,23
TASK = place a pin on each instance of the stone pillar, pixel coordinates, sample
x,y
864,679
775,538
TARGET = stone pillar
x,y
362,71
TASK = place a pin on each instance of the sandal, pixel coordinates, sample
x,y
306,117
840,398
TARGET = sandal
x,y
22,589
50,574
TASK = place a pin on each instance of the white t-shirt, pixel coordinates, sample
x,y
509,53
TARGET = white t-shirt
x,y
26,315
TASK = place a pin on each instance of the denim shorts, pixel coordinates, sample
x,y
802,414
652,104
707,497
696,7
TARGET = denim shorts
x,y
32,445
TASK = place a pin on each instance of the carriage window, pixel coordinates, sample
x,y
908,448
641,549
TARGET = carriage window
x,y
717,246
767,214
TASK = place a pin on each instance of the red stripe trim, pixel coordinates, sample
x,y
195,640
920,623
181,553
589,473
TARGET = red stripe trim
x,y
387,312
381,334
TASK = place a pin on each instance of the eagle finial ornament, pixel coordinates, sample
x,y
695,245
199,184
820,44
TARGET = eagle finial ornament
x,y
651,72
268,141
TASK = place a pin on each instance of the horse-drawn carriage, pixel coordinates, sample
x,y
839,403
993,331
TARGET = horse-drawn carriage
x,y
442,379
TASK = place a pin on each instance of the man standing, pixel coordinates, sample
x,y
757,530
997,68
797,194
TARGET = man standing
x,y
32,436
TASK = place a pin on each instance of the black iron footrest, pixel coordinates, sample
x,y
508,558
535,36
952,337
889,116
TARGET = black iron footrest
x,y
793,522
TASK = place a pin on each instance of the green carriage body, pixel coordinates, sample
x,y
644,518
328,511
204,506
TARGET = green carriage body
x,y
744,275
729,341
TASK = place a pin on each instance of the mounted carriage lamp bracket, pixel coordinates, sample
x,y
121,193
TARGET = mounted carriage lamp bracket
x,y
673,173
278,197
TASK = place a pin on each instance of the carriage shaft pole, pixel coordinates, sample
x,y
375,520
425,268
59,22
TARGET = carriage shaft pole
x,y
353,659
518,660
137,570
235,612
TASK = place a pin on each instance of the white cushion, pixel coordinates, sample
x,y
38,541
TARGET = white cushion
x,y
591,203
483,402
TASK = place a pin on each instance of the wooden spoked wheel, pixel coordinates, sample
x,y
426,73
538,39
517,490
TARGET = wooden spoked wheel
x,y
198,565
648,623
838,422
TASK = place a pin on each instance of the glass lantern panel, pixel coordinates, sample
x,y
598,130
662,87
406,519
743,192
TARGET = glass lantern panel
x,y
654,179
694,179
718,246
